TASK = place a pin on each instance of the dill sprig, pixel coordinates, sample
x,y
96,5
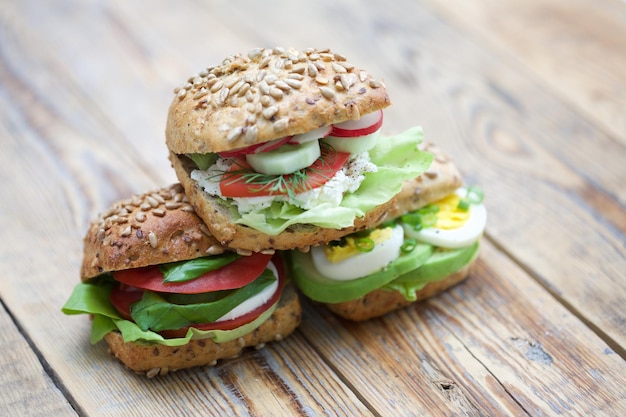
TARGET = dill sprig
x,y
280,184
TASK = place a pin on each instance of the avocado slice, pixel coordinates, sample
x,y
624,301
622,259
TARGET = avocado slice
x,y
320,288
407,274
442,263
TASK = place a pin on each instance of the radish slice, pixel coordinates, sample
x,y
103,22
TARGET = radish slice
x,y
366,125
259,147
319,133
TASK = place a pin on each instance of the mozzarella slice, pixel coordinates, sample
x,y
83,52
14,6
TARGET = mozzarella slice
x,y
254,301
361,264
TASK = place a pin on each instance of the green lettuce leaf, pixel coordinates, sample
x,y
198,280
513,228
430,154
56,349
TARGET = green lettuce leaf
x,y
193,268
398,159
93,299
154,312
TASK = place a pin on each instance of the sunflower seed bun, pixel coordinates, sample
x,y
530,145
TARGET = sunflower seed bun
x,y
149,229
300,236
268,94
160,227
256,140
440,181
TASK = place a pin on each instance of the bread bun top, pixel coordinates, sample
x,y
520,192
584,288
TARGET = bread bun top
x,y
267,94
148,229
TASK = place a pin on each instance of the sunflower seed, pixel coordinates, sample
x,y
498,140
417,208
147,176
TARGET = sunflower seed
x,y
327,92
152,239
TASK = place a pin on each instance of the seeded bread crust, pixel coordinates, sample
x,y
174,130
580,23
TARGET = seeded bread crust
x,y
440,179
380,302
268,94
149,229
220,221
153,359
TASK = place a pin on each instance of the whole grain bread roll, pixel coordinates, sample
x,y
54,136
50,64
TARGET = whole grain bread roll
x,y
380,302
253,98
158,227
267,94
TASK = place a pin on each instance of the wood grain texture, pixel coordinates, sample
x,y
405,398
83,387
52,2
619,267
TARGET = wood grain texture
x,y
27,389
528,99
574,48
533,357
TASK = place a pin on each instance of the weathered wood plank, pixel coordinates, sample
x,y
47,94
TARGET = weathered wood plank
x,y
574,47
497,344
27,390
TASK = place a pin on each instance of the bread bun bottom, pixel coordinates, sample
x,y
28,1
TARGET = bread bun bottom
x,y
218,219
154,359
380,302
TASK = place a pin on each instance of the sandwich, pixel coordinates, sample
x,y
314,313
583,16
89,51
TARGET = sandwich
x,y
280,149
429,243
166,295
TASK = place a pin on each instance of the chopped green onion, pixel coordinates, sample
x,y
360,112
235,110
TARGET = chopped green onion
x,y
364,244
408,245
422,218
475,195
463,205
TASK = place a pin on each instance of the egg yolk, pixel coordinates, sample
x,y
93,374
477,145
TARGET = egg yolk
x,y
450,216
352,245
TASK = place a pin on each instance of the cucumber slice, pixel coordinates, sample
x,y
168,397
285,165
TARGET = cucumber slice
x,y
286,159
353,145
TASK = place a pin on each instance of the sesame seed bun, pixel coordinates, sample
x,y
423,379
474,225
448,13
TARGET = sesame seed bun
x,y
267,94
149,229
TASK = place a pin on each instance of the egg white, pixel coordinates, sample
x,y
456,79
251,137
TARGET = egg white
x,y
363,263
255,301
463,236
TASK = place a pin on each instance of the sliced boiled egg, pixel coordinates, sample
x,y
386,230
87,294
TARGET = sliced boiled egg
x,y
255,301
455,226
347,259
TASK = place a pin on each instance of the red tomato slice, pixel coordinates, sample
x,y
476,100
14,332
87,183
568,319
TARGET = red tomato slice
x,y
122,298
235,184
236,274
241,320
368,124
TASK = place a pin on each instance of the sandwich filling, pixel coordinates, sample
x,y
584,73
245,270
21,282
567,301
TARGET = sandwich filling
x,y
221,297
404,254
351,176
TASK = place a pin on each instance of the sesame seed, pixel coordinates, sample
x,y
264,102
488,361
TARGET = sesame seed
x,y
127,231
158,212
140,216
375,84
269,112
188,208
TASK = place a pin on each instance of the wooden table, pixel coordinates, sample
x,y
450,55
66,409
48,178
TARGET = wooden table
x,y
529,98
